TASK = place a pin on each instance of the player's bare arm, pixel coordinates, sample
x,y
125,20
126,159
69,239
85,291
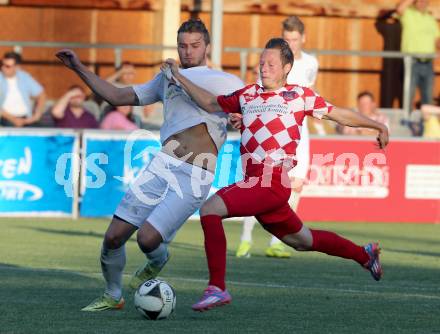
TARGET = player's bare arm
x,y
202,97
350,118
112,94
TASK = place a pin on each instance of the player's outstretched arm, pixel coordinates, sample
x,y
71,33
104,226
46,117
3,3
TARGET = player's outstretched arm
x,y
202,97
112,94
350,118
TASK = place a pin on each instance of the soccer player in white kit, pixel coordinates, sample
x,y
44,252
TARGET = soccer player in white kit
x,y
178,179
303,73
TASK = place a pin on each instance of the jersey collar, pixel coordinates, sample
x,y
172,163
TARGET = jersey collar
x,y
285,88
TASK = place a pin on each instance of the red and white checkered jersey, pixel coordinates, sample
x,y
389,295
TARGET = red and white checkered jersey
x,y
272,121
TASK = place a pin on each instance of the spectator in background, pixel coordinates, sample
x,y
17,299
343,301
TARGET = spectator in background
x,y
17,90
69,111
366,105
431,121
391,74
124,77
420,34
305,67
120,119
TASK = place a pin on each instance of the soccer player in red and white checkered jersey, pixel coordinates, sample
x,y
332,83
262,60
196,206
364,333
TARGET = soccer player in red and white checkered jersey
x,y
272,119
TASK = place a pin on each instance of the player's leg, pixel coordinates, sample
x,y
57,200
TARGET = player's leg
x,y
276,246
211,214
232,201
286,225
236,200
151,243
112,264
137,204
333,244
176,206
244,248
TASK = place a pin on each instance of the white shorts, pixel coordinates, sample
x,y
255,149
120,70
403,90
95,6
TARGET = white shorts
x,y
165,194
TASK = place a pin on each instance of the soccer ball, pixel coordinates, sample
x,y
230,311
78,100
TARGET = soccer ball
x,y
155,299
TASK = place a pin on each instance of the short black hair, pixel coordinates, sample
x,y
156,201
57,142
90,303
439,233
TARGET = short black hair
x,y
283,46
195,25
365,93
293,23
13,55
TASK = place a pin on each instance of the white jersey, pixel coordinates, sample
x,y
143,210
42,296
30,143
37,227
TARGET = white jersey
x,y
14,103
180,111
302,154
303,73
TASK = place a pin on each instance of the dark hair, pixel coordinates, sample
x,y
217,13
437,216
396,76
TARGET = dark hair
x,y
293,23
365,93
195,25
13,55
283,46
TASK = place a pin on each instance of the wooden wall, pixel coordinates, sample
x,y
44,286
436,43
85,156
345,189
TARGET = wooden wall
x,y
335,24
335,8
78,25
340,78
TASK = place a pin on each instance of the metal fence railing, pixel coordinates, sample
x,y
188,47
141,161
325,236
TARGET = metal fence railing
x,y
243,53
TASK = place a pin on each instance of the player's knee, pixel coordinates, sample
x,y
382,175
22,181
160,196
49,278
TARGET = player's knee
x,y
297,242
113,240
148,242
213,206
300,246
207,209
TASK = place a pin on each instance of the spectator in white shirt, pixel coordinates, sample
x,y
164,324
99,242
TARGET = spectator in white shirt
x,y
17,90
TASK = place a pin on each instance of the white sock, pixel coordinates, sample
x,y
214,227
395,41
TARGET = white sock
x,y
248,226
274,240
159,256
112,265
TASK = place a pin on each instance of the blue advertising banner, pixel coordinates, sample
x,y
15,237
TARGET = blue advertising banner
x,y
110,165
29,185
112,162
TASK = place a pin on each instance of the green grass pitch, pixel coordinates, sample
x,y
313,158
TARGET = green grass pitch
x,y
49,270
